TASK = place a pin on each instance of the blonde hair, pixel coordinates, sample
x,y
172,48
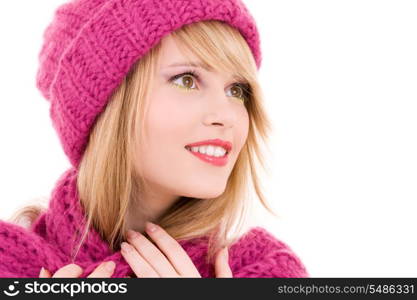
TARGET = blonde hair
x,y
107,182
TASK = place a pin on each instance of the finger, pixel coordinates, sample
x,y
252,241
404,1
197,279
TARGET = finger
x,y
222,268
44,273
139,265
173,250
151,254
69,271
103,270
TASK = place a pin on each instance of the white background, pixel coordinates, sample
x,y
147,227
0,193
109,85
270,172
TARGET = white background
x,y
340,80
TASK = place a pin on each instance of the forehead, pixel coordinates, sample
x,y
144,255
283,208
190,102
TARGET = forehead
x,y
171,54
172,57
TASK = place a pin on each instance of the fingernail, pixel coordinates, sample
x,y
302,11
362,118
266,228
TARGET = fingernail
x,y
126,247
150,227
131,234
109,265
77,267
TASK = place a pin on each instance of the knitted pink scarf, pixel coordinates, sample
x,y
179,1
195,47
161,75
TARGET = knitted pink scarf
x,y
49,243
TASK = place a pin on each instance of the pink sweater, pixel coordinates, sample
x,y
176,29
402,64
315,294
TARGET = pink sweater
x,y
48,243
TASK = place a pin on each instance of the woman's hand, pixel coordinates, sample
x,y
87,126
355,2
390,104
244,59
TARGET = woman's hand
x,y
146,260
104,269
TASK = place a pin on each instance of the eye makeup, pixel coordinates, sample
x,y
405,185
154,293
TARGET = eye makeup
x,y
193,73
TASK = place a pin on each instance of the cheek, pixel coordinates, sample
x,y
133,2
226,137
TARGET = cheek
x,y
167,120
167,132
242,129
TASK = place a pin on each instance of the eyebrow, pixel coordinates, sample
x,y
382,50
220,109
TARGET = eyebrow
x,y
203,66
190,64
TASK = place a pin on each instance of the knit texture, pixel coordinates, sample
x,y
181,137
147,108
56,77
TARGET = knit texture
x,y
91,45
49,241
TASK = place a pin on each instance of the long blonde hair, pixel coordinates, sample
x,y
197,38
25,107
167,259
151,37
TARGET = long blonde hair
x,y
107,183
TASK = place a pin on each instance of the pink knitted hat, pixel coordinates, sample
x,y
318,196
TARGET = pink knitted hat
x,y
91,45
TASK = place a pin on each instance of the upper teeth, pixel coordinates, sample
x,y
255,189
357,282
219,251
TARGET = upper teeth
x,y
209,150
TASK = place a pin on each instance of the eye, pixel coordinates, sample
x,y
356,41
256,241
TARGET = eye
x,y
185,80
241,91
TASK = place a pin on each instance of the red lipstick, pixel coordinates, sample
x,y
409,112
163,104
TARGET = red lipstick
x,y
217,161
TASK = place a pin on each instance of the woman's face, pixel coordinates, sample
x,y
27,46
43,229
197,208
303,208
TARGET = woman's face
x,y
177,117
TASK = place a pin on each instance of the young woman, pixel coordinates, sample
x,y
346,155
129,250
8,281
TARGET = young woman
x,y
158,108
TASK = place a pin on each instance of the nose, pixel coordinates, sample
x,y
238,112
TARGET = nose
x,y
220,110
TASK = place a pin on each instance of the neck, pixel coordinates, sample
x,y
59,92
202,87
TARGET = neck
x,y
150,208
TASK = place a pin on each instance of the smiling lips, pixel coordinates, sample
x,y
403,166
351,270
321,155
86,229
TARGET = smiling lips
x,y
217,161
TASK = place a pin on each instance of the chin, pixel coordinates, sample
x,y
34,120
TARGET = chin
x,y
205,194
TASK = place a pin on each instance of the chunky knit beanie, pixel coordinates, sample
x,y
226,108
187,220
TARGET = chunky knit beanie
x,y
91,45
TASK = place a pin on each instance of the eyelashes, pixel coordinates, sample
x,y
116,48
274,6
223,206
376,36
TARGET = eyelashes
x,y
245,87
189,72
